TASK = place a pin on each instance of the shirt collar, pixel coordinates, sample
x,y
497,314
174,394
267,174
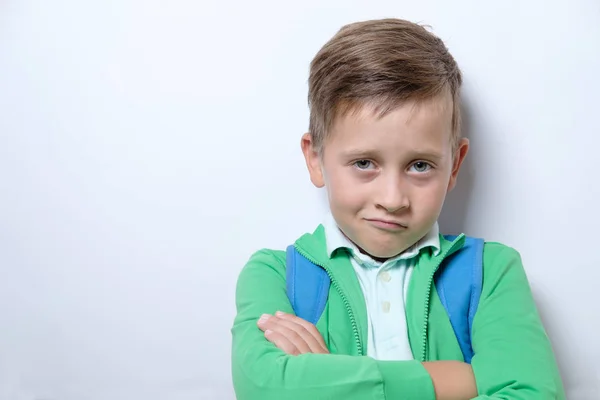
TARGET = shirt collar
x,y
335,240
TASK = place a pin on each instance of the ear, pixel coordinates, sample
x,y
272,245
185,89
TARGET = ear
x,y
313,160
459,157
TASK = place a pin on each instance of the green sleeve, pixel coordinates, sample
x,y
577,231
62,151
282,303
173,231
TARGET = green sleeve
x,y
513,355
263,372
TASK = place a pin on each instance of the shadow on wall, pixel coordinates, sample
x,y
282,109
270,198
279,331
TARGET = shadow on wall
x,y
577,386
453,217
453,220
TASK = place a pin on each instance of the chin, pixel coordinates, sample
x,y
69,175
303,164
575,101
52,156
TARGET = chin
x,y
379,253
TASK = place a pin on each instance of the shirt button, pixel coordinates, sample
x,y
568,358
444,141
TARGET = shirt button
x,y
386,306
385,276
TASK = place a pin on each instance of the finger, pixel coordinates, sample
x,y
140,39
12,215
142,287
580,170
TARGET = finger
x,y
297,342
288,330
281,342
303,339
316,345
314,332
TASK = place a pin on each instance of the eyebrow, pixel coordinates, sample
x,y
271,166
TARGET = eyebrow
x,y
370,153
429,154
357,153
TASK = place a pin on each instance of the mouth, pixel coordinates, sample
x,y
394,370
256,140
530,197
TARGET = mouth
x,y
386,224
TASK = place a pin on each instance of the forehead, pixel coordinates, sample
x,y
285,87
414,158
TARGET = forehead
x,y
413,125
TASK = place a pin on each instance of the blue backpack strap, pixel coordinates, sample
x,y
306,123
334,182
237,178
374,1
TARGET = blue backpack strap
x,y
307,286
459,283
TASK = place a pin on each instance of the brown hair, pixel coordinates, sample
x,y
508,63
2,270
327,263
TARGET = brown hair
x,y
383,63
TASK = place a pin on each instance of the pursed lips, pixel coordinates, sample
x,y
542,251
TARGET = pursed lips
x,y
386,223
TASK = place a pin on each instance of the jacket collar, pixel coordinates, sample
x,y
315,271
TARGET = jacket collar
x,y
339,267
315,244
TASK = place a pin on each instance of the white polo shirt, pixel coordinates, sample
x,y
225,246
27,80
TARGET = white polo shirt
x,y
384,285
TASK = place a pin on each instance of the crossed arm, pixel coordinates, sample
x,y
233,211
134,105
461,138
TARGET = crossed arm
x,y
287,357
452,380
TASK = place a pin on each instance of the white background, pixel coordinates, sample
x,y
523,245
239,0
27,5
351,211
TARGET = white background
x,y
147,148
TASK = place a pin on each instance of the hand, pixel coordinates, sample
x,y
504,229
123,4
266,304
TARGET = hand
x,y
292,334
452,380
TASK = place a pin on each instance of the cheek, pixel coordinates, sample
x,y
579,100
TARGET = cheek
x,y
343,190
433,197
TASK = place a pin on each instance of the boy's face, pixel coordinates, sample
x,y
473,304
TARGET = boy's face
x,y
387,178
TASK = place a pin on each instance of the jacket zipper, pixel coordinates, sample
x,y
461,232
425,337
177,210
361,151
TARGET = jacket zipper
x,y
344,299
428,300
426,316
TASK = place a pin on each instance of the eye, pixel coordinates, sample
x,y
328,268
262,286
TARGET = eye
x,y
421,166
363,164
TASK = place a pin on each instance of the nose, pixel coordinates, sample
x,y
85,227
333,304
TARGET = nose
x,y
392,194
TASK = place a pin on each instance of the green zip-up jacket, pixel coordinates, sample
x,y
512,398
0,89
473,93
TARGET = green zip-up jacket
x,y
513,356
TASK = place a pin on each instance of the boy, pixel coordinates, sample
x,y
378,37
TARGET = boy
x,y
384,140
